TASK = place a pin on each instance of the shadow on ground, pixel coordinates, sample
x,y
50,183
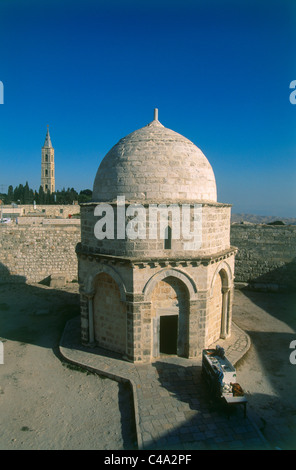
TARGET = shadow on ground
x,y
207,422
37,315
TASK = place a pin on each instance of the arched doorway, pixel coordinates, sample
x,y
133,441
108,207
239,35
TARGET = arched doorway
x,y
170,317
109,314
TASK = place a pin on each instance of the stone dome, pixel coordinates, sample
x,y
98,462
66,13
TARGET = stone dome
x,y
155,164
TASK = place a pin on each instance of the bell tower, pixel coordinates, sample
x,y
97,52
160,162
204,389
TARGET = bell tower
x,y
47,165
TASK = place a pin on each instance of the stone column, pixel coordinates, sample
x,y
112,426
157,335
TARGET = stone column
x,y
146,331
84,318
132,329
139,332
196,330
225,313
87,318
91,334
229,315
129,329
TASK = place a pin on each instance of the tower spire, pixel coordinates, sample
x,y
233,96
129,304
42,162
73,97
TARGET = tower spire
x,y
47,142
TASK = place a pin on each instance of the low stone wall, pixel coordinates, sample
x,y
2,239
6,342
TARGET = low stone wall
x,y
266,257
49,210
34,253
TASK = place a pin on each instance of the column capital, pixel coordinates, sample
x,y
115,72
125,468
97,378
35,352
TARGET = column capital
x,y
225,290
88,295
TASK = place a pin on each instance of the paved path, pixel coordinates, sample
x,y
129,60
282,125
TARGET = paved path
x,y
173,409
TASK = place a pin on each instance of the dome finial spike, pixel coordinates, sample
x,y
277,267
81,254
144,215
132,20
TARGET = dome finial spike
x,y
155,114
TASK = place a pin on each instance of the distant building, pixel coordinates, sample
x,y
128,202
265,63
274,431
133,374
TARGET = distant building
x,y
47,165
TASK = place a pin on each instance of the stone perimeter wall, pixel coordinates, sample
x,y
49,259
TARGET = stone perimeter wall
x,y
266,257
49,210
34,253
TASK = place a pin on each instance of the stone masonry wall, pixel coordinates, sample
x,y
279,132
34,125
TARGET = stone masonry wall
x,y
266,257
33,253
109,315
214,232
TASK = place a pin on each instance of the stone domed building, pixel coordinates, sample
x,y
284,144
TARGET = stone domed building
x,y
155,262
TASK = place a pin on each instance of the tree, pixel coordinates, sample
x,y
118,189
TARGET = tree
x,y
40,196
85,196
10,195
26,194
23,194
18,194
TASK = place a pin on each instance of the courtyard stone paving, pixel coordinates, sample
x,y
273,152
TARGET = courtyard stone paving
x,y
173,407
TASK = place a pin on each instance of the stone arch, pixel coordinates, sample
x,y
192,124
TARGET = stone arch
x,y
226,276
104,268
170,272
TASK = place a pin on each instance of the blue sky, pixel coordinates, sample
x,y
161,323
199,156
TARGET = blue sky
x,y
218,71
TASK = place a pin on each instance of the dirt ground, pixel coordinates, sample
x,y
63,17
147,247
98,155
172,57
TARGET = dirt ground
x,y
45,404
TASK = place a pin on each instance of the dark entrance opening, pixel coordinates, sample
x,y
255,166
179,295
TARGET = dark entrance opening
x,y
168,335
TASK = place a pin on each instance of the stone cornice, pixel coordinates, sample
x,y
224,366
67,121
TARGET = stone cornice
x,y
152,201
153,262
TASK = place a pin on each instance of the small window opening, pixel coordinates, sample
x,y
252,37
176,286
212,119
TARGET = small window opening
x,y
168,238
